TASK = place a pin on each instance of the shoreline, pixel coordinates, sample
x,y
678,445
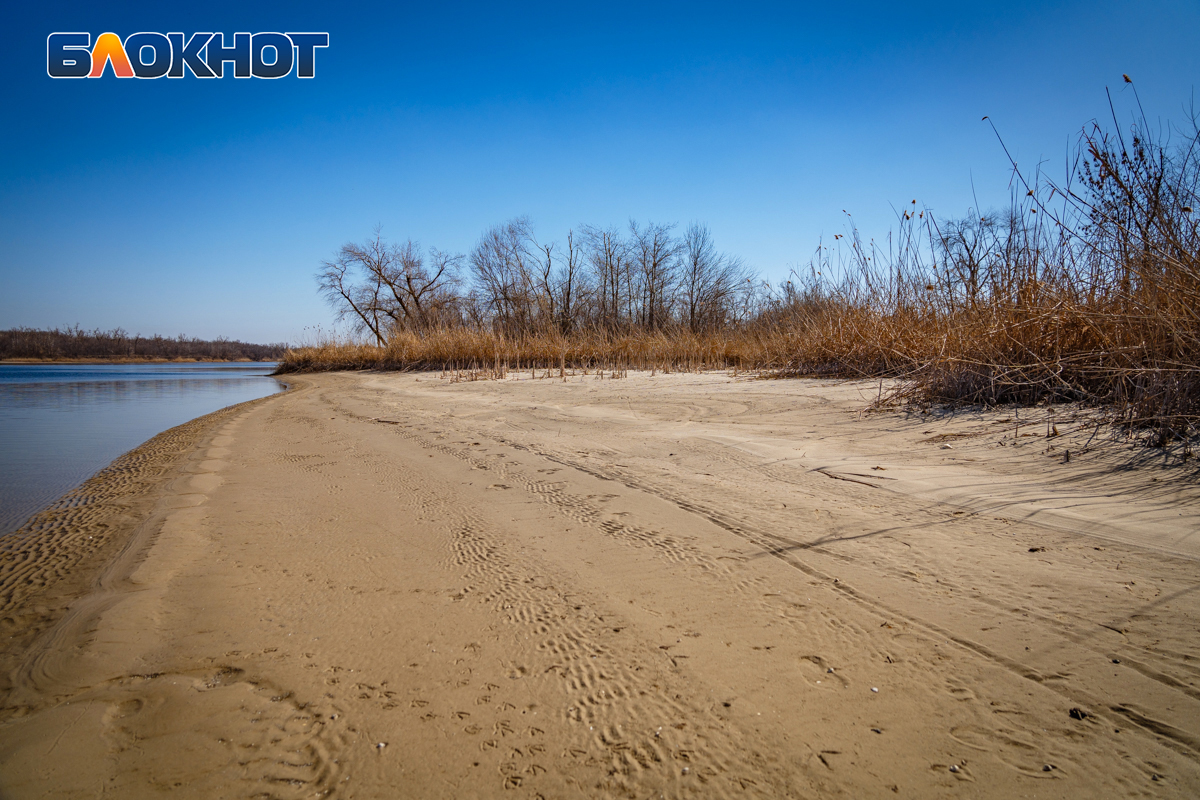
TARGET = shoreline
x,y
691,585
64,425
54,558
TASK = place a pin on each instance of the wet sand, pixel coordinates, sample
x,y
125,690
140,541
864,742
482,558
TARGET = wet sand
x,y
382,585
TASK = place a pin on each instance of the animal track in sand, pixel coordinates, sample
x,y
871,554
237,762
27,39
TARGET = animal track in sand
x,y
230,724
489,583
615,702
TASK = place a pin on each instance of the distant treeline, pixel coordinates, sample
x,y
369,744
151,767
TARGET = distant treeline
x,y
117,343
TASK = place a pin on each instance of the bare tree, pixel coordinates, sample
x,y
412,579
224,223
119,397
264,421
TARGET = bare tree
x,y
350,284
709,280
967,246
569,284
422,292
384,288
655,251
546,294
608,255
501,265
558,281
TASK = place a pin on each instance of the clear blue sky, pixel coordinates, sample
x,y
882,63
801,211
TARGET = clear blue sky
x,y
204,207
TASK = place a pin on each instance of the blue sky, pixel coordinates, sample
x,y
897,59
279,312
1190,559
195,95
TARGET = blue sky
x,y
204,207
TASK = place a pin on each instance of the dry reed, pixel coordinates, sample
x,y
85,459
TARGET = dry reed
x,y
1086,290
470,349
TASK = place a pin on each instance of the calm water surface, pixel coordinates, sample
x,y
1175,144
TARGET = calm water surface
x,y
61,423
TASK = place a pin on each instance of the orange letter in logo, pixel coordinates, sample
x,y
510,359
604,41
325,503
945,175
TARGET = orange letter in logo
x,y
108,48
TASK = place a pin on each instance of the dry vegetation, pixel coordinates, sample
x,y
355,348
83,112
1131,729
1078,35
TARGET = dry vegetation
x,y
1086,289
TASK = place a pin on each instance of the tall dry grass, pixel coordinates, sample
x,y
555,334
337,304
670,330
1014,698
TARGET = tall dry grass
x,y
478,350
1085,289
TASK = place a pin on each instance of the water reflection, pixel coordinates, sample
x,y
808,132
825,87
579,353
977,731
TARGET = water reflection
x,y
70,396
59,424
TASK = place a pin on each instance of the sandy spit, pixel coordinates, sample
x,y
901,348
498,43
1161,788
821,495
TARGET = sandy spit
x,y
383,585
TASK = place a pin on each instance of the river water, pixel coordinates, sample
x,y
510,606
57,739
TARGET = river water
x,y
61,423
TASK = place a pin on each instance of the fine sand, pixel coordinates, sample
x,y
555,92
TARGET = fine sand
x,y
386,585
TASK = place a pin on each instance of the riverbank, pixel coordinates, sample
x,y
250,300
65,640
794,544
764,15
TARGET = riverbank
x,y
61,423
695,585
60,553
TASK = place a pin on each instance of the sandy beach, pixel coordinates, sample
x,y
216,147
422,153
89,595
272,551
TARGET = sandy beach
x,y
683,585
